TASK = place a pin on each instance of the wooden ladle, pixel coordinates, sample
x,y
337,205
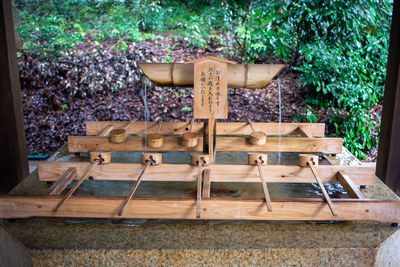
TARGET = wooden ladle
x,y
256,138
118,136
155,140
190,139
311,160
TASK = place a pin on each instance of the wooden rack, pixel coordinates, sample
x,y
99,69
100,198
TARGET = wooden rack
x,y
210,78
63,173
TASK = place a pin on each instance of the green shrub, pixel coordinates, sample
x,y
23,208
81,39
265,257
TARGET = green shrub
x,y
340,49
50,27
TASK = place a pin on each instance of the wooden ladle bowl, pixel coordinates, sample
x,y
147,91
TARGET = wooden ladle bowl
x,y
117,136
190,139
258,138
155,140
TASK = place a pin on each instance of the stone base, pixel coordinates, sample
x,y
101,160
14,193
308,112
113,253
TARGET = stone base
x,y
108,242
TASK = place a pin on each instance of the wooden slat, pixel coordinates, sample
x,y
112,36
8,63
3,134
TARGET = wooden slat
x,y
223,128
349,186
173,143
133,143
77,184
50,171
63,181
284,144
206,183
304,132
213,208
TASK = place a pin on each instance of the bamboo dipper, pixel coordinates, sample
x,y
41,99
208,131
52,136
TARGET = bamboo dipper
x,y
190,139
118,136
155,140
311,160
96,158
260,160
148,159
256,138
199,160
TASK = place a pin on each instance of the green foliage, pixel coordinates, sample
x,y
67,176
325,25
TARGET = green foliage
x,y
50,27
340,49
309,117
187,109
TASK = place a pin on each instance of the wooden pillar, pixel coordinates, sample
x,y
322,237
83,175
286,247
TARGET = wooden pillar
x,y
209,137
388,165
13,154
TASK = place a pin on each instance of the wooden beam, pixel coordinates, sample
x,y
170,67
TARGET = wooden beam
x,y
223,128
213,208
349,186
284,144
239,75
13,156
63,181
173,143
303,132
50,171
388,167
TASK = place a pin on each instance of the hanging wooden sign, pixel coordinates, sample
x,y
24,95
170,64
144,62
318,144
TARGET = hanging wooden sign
x,y
210,90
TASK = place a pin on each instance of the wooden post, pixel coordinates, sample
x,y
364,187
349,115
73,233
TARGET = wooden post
x,y
209,137
206,183
199,186
388,167
13,156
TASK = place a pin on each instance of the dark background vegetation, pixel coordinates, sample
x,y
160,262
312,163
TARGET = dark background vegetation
x,y
78,60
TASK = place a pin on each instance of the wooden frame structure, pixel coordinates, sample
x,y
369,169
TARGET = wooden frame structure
x,y
204,205
15,166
